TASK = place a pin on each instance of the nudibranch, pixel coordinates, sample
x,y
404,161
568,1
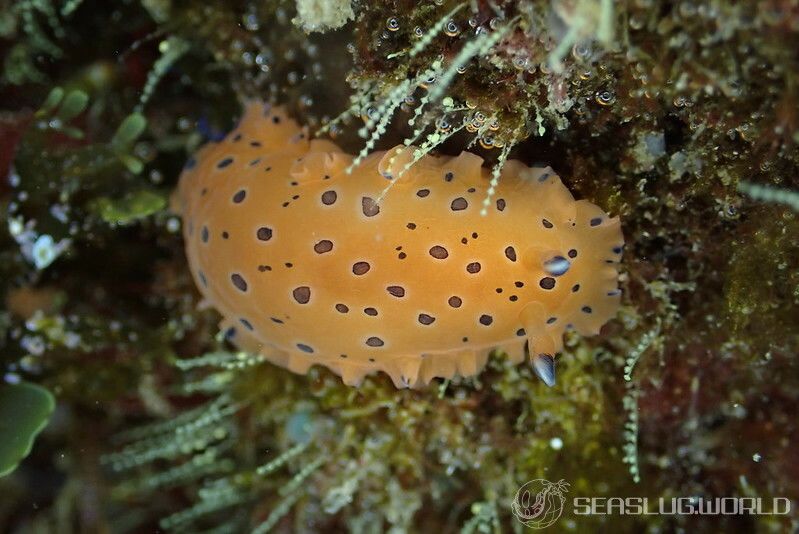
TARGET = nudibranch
x,y
310,264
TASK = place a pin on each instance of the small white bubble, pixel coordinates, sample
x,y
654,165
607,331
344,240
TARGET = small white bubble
x,y
44,251
173,225
12,378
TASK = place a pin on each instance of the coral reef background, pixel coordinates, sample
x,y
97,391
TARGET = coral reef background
x,y
682,117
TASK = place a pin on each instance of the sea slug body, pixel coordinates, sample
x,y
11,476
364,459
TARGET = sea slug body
x,y
311,265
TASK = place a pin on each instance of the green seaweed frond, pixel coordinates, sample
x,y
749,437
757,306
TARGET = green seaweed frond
x,y
436,115
25,410
630,401
172,49
41,31
771,195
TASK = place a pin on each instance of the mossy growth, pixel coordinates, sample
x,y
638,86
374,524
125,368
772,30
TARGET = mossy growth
x,y
768,245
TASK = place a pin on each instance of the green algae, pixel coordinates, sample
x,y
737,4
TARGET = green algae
x,y
24,412
135,205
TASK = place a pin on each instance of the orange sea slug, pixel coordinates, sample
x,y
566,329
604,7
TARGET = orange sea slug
x,y
309,265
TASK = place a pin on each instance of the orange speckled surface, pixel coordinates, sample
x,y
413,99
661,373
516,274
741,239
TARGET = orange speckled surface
x,y
308,266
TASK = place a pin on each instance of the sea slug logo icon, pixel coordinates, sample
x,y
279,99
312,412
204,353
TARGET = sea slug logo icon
x,y
539,503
